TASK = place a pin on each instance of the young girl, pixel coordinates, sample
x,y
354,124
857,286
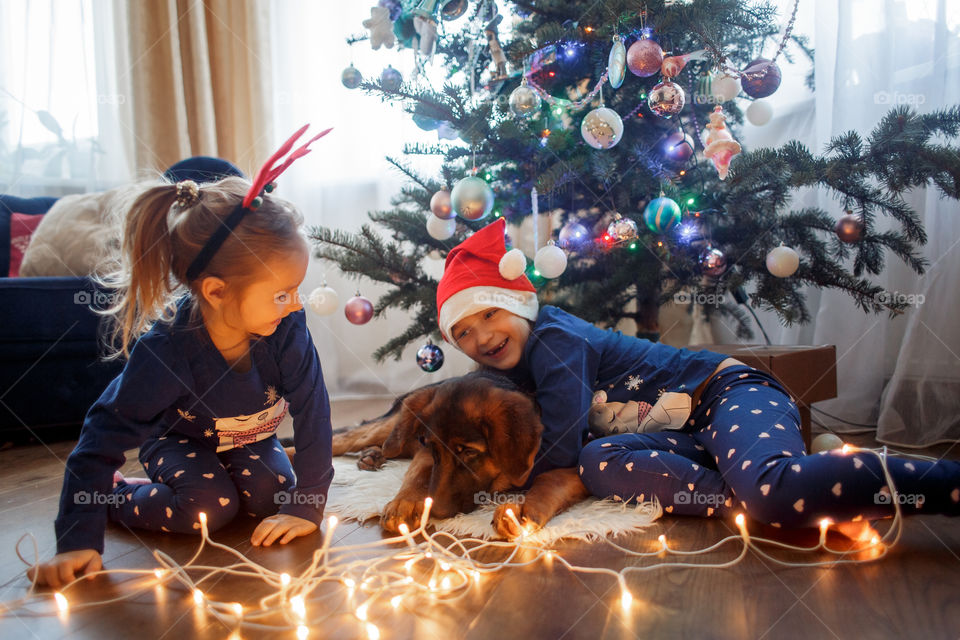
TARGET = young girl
x,y
735,443
204,389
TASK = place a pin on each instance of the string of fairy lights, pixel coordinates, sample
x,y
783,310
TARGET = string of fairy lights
x,y
420,567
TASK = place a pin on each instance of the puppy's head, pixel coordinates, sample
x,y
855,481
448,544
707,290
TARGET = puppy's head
x,y
481,431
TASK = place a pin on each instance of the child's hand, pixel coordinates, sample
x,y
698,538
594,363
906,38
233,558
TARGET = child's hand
x,y
281,524
64,567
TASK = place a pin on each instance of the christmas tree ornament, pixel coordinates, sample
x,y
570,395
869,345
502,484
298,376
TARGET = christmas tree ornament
x,y
602,128
713,262
661,214
719,145
849,227
440,228
573,235
393,6
677,148
550,261
617,63
497,55
358,309
673,65
719,87
644,58
390,79
782,261
759,113
429,357
351,77
381,28
761,78
472,198
524,101
440,205
513,264
446,131
453,9
622,229
666,99
323,300
425,26
825,442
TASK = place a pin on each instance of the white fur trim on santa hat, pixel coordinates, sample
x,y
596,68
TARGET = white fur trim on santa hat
x,y
473,299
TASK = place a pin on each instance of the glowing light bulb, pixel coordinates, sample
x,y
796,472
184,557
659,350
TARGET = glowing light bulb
x,y
662,539
332,521
203,518
395,601
826,522
432,584
372,631
428,502
61,601
404,529
875,540
158,573
428,555
445,583
739,519
237,609
408,580
476,576
302,632
198,596
409,564
845,449
444,565
626,599
285,579
298,606
361,611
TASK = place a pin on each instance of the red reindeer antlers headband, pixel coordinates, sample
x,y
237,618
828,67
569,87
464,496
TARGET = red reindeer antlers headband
x,y
262,183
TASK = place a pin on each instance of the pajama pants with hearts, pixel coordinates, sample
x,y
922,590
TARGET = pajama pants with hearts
x,y
743,451
189,477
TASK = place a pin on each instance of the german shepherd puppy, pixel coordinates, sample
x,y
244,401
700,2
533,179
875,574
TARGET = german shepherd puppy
x,y
467,435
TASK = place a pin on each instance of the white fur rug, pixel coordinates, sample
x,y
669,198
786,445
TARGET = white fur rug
x,y
360,495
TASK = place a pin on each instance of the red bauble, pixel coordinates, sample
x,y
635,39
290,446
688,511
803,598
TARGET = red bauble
x,y
358,310
761,78
644,58
849,228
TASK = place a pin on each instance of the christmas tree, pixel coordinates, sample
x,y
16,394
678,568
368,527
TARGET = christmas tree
x,y
620,120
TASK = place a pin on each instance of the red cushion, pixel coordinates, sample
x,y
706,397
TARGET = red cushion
x,y
22,226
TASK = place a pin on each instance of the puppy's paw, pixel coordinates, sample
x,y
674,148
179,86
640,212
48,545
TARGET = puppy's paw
x,y
506,527
371,458
399,510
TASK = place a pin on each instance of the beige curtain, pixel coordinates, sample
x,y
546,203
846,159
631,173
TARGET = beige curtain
x,y
199,73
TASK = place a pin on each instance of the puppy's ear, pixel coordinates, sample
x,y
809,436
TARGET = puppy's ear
x,y
513,434
410,419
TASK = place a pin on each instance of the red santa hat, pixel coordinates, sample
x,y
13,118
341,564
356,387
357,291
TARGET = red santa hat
x,y
472,281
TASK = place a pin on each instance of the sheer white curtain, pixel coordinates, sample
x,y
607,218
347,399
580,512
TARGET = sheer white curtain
x,y
345,177
901,373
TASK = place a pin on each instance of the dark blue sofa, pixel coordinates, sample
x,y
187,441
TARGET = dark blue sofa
x,y
50,365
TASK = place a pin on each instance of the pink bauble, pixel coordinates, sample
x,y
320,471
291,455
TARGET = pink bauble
x,y
644,58
440,205
358,310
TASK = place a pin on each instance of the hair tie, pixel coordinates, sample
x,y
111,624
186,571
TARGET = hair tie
x,y
188,193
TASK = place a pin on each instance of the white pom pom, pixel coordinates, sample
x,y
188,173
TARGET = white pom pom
x,y
759,113
440,229
323,301
550,261
513,264
783,261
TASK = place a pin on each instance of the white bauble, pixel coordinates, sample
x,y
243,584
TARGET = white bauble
x,y
440,229
550,261
513,264
759,113
323,300
825,442
783,261
602,128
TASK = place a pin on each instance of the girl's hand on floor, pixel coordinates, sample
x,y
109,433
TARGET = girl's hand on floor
x,y
272,528
64,567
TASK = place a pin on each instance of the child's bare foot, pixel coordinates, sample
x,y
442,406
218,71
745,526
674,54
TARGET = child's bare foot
x,y
118,478
861,533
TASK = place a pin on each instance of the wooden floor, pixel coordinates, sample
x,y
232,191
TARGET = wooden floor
x,y
913,592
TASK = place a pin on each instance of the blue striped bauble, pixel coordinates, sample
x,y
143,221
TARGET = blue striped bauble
x,y
661,215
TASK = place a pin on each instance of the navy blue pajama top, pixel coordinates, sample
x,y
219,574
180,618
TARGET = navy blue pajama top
x,y
177,382
567,359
